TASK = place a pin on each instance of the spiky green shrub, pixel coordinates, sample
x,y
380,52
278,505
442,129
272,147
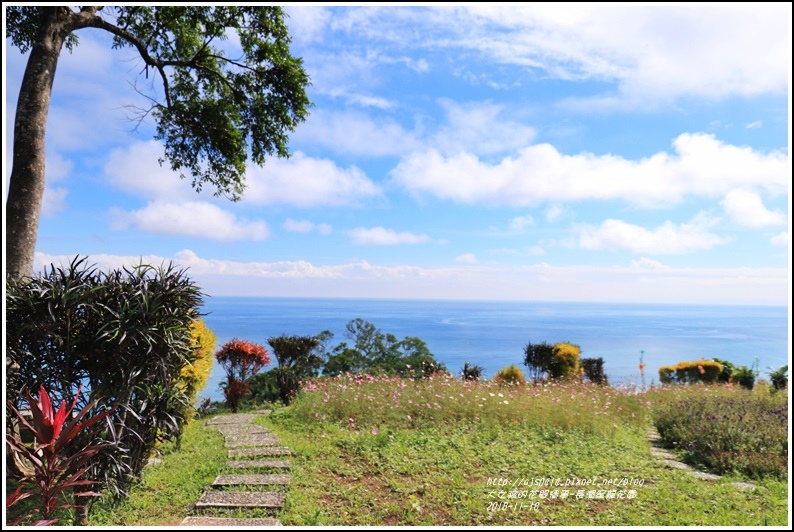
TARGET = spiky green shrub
x,y
727,370
123,335
510,375
471,372
707,371
744,377
565,362
779,377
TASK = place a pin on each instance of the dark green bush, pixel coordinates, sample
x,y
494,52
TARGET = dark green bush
x,y
375,352
264,388
297,361
123,336
594,370
537,359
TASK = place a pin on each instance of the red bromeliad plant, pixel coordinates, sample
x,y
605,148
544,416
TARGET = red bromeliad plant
x,y
241,360
57,464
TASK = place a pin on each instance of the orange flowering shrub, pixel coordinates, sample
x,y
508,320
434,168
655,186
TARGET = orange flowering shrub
x,y
241,360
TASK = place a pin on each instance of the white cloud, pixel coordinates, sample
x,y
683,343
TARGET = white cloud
x,y
746,208
754,125
645,263
53,201
192,219
298,226
57,167
663,240
135,170
659,52
539,282
478,128
650,53
307,23
782,239
356,134
300,180
701,165
555,213
519,223
364,100
305,226
380,236
466,258
475,127
304,181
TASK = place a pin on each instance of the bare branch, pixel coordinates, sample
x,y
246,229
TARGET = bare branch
x,y
138,114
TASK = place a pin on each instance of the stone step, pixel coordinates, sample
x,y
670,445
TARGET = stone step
x,y
673,464
230,521
250,464
705,476
241,499
233,419
237,429
259,480
661,453
257,440
249,452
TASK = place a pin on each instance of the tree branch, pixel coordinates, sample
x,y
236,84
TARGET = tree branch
x,y
95,21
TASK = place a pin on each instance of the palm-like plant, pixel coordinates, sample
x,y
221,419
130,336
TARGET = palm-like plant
x,y
58,466
778,377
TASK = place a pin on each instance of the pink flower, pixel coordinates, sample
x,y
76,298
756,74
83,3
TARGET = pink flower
x,y
374,431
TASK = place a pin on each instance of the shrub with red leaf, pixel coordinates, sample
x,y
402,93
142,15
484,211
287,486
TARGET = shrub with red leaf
x,y
57,465
241,360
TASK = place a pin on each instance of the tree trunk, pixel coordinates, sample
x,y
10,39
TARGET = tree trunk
x,y
26,185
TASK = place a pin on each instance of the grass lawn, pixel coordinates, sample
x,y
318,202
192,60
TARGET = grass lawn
x,y
384,451
432,477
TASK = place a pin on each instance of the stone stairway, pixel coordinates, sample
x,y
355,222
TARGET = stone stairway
x,y
252,448
670,461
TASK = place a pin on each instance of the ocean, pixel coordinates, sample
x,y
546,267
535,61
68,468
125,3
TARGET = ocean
x,y
493,334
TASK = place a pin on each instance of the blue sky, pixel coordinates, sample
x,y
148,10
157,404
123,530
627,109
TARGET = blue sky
x,y
542,152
